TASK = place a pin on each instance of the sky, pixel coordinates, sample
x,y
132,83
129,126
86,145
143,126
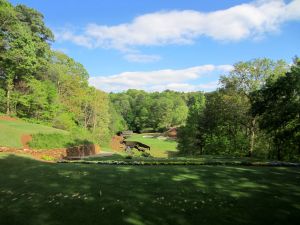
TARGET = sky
x,y
182,45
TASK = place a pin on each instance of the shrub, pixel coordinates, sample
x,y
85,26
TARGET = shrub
x,y
146,154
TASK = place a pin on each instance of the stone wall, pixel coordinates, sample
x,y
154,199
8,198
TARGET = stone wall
x,y
56,154
83,150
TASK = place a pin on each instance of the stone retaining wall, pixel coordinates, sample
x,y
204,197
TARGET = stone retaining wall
x,y
56,154
82,150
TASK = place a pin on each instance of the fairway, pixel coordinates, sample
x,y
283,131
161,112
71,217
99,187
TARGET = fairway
x,y
33,192
159,147
12,131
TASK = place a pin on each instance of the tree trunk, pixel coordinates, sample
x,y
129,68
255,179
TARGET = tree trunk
x,y
8,95
85,116
252,137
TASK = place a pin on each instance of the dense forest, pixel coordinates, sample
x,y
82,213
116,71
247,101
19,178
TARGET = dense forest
x,y
255,112
43,85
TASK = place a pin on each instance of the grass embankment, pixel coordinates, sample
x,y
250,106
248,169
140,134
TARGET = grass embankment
x,y
59,140
12,131
33,192
159,147
43,137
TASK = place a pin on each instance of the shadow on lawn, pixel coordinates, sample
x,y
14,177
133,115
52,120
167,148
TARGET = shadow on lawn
x,y
33,192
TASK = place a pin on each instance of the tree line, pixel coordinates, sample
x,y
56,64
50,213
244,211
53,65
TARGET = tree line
x,y
157,111
44,85
255,112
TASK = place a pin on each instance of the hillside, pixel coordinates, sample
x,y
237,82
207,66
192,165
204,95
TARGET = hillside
x,y
12,130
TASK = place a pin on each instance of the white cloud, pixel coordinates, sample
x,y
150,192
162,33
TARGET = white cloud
x,y
67,35
159,80
251,20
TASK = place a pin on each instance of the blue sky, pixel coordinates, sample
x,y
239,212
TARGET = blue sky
x,y
162,44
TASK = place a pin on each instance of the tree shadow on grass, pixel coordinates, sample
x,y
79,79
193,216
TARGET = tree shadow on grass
x,y
33,192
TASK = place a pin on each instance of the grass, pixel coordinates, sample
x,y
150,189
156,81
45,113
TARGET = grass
x,y
12,131
125,159
159,147
58,140
33,192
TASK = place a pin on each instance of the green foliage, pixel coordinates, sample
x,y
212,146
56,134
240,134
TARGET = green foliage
x,y
39,84
190,136
117,122
2,100
278,105
225,125
157,111
64,121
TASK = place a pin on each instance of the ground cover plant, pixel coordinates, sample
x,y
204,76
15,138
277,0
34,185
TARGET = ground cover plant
x,y
125,159
34,192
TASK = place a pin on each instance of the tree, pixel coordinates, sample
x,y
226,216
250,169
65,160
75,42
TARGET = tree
x,y
191,139
250,76
23,46
225,123
154,111
278,105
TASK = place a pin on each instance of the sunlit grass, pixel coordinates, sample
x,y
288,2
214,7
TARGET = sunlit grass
x,y
159,147
12,131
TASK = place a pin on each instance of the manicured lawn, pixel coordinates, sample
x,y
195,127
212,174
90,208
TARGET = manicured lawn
x,y
159,147
12,131
33,192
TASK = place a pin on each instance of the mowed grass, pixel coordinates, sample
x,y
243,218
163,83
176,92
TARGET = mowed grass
x,y
12,131
33,192
159,147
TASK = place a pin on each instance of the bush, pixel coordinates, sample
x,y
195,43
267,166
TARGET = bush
x,y
146,154
64,121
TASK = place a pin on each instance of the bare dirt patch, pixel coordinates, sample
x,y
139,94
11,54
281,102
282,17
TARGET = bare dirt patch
x,y
8,118
25,139
115,143
44,155
171,133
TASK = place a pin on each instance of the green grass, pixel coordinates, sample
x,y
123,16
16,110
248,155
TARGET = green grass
x,y
125,159
35,193
50,141
159,147
12,131
58,140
